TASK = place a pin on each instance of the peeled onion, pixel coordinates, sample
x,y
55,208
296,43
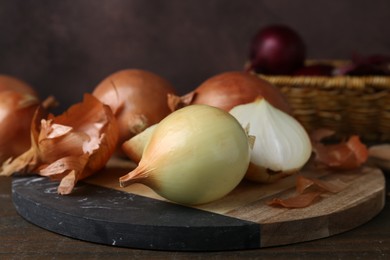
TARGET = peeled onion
x,y
229,89
281,147
195,155
276,50
138,99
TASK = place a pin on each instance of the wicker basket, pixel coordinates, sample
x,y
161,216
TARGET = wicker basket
x,y
347,104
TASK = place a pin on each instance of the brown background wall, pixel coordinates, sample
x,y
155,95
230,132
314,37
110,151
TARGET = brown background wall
x,y
65,47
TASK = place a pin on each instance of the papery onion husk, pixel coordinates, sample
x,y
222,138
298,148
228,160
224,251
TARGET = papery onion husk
x,y
17,111
195,155
308,191
69,147
18,102
282,146
229,89
138,99
345,155
302,200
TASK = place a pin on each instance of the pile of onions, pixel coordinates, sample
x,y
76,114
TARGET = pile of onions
x,y
68,147
276,50
195,155
138,99
229,89
18,102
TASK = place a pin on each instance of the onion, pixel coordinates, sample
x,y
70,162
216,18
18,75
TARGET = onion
x,y
17,85
138,99
134,147
276,50
68,147
378,65
282,145
229,89
195,155
18,101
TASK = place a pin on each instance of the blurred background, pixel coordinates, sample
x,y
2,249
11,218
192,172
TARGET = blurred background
x,y
65,47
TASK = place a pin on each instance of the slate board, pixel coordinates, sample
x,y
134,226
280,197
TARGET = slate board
x,y
99,211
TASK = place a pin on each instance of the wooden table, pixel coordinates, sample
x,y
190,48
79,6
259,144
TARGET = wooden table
x,y
21,240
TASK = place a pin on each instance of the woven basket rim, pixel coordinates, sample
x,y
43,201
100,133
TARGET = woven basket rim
x,y
350,82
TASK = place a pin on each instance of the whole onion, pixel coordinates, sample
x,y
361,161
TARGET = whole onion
x,y
195,155
18,102
12,83
138,99
229,89
276,50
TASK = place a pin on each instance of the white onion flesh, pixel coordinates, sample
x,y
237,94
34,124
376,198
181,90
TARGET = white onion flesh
x,y
281,144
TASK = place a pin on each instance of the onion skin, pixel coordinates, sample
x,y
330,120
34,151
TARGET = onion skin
x,y
229,89
138,99
16,113
345,155
68,147
195,155
18,102
277,50
17,85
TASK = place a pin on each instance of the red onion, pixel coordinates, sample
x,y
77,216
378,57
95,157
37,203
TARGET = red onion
x,y
276,50
377,65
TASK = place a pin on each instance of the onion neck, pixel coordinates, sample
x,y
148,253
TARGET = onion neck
x,y
136,176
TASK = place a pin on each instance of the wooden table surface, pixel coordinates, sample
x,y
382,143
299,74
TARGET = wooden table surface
x,y
20,239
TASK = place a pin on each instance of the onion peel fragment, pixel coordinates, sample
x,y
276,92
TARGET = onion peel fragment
x,y
303,184
298,201
346,155
68,147
308,191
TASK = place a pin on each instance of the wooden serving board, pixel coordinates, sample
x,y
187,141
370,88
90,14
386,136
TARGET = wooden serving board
x,y
100,211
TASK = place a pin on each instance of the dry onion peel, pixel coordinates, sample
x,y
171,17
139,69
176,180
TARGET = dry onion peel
x,y
282,146
345,155
69,147
195,155
298,201
303,184
308,191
